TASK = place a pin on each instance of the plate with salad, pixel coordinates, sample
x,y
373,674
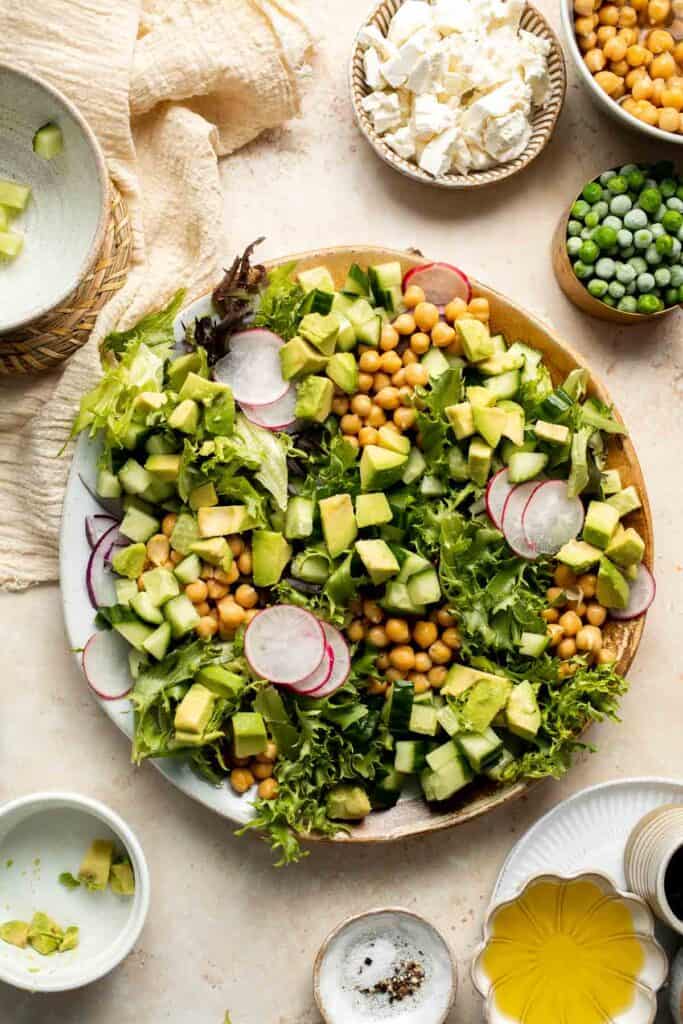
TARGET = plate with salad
x,y
353,548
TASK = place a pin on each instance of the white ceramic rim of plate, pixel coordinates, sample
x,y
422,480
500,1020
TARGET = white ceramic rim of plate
x,y
102,176
127,939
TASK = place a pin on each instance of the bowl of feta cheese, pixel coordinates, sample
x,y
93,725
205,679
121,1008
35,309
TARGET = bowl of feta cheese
x,y
457,93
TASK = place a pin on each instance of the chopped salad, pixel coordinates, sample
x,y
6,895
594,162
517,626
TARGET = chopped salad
x,y
358,544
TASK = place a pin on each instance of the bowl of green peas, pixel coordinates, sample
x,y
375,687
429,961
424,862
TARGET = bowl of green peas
x,y
618,250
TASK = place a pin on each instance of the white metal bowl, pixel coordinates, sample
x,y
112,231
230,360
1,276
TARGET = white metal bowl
x,y
600,98
42,836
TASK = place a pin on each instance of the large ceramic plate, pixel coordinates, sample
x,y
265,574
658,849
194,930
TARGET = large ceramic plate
x,y
412,815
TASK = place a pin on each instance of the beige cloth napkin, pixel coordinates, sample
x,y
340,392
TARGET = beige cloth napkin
x,y
168,87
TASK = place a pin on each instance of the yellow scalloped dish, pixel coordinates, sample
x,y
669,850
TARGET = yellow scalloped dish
x,y
571,951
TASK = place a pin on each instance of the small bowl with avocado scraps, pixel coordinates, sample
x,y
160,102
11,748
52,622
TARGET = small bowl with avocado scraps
x,y
368,532
74,891
53,198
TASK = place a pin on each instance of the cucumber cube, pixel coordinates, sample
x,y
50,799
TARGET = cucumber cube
x,y
143,605
158,642
189,570
525,466
134,479
138,525
181,614
423,588
125,590
108,485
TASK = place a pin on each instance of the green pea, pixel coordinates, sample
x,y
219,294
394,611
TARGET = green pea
x,y
652,256
609,301
662,277
676,251
679,193
628,169
667,187
674,204
631,288
605,268
613,222
645,282
583,270
635,219
592,220
580,209
664,245
587,233
624,238
574,246
657,230
625,274
620,205
605,236
672,221
592,192
677,276
642,239
628,304
649,304
636,180
680,235
601,208
616,289
597,288
650,200
638,264
589,252
671,296
607,176
617,185
659,215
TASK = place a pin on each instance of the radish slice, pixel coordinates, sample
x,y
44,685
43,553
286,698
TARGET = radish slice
x,y
97,526
497,491
512,525
342,663
105,664
99,579
642,594
319,678
551,518
284,644
441,282
276,416
252,367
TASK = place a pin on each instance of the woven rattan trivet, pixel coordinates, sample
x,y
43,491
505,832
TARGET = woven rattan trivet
x,y
58,335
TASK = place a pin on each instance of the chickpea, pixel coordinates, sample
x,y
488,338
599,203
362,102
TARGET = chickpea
x,y
570,623
628,17
423,662
455,309
451,637
420,682
678,53
377,687
629,35
361,405
231,615
608,14
637,55
398,631
566,669
376,417
556,596
261,770
206,627
589,639
388,398
175,558
373,612
584,25
340,406
419,343
402,658
246,596
663,66
370,361
584,8
382,662
365,382
672,98
236,545
629,105
606,32
642,89
398,379
221,576
564,577
646,112
241,780
407,396
479,309
588,42
660,41
426,316
405,418
444,618
216,590
197,591
367,435
244,564
388,338
609,83
356,631
409,357
233,573
550,614
566,648
417,375
168,523
555,633
405,323
658,11
377,636
267,789
669,119
381,380
207,572
620,68
413,296
437,676
443,335
440,653
588,584
578,607
615,48
606,656
269,755
158,549
425,633
634,76
595,60
391,362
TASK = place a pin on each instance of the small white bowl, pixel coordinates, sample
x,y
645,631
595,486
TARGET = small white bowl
x,y
383,937
601,99
65,219
41,836
650,847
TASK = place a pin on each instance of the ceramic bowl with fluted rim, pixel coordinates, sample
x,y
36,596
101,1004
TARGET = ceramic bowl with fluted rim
x,y
543,119
648,980
65,219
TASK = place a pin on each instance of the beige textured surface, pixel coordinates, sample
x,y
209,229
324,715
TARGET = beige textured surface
x,y
225,930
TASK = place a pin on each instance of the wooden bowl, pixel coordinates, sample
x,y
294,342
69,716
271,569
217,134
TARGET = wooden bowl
x,y
415,817
543,121
577,292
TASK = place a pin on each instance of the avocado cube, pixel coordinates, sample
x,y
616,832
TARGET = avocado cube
x,y
338,523
490,423
160,585
299,518
130,561
479,459
222,520
600,525
149,401
249,733
202,390
501,362
380,468
45,935
523,715
314,399
179,369
378,559
298,358
461,418
372,510
203,496
181,614
316,277
477,395
165,467
578,555
612,588
514,421
342,369
347,803
15,933
220,681
133,478
194,712
96,865
185,417
321,331
484,700
626,548
185,533
121,882
215,551
552,433
158,642
270,552
475,338
625,501
393,441
459,680
610,482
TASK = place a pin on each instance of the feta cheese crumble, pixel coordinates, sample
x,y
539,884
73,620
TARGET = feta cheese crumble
x,y
454,83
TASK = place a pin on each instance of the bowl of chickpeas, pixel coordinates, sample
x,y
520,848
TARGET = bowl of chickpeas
x,y
629,54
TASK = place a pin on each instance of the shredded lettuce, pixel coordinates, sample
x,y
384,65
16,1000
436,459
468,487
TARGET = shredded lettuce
x,y
279,307
271,451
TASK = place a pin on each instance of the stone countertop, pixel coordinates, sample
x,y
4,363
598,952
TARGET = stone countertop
x,y
227,931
